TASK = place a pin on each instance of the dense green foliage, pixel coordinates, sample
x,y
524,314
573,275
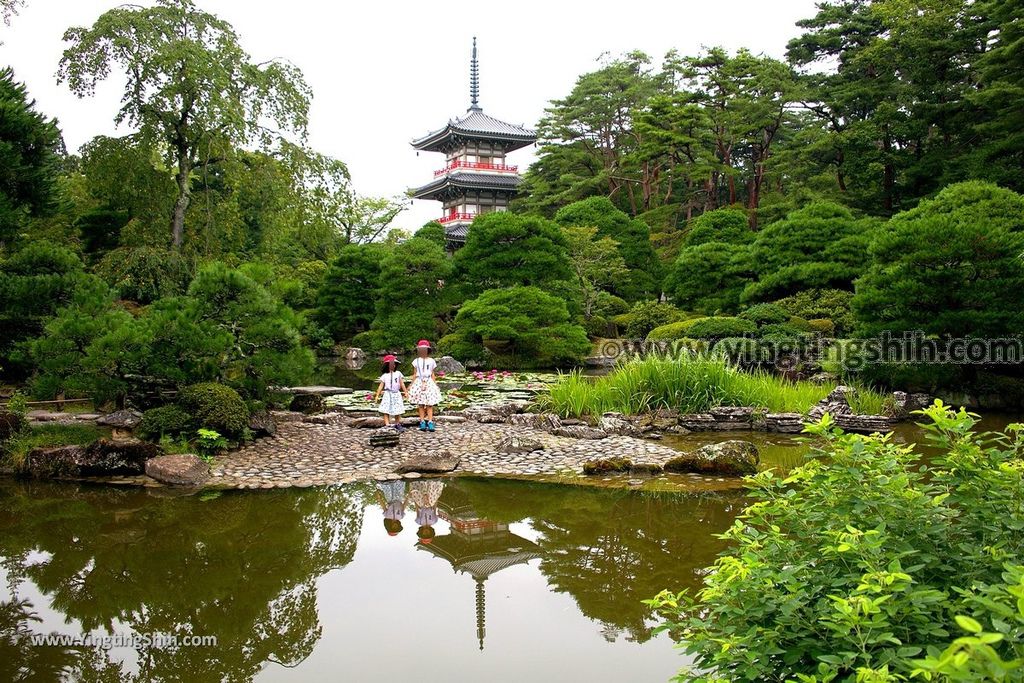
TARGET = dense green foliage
x,y
951,265
862,566
819,246
29,145
144,274
215,406
412,294
504,250
345,303
525,326
169,420
643,277
710,277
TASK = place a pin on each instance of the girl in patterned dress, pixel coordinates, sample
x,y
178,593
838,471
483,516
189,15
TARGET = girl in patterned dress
x,y
392,498
424,494
424,391
392,386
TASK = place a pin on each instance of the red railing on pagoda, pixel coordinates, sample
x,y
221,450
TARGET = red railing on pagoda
x,y
452,217
476,165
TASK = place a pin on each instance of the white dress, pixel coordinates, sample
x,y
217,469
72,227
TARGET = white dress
x,y
391,400
424,390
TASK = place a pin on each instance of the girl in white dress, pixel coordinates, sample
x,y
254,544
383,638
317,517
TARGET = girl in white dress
x,y
424,391
392,386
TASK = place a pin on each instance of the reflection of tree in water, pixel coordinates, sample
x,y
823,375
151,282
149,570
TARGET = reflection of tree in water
x,y
241,567
612,549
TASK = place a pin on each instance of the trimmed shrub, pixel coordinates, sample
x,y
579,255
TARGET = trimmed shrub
x,y
833,304
765,314
525,325
216,406
676,330
169,420
822,326
717,328
647,315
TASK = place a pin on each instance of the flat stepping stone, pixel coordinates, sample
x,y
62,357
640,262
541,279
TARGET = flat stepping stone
x,y
317,389
431,463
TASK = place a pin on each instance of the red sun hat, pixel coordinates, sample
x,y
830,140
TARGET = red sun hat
x,y
422,343
389,358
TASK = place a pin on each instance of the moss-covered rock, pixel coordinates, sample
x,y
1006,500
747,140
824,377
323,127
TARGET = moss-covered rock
x,y
731,458
100,458
607,466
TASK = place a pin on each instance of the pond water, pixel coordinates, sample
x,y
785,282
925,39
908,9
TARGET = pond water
x,y
783,452
522,581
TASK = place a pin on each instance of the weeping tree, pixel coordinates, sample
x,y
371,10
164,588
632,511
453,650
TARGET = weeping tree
x,y
189,86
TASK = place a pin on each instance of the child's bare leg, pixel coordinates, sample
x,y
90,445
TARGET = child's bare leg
x,y
430,413
421,411
387,419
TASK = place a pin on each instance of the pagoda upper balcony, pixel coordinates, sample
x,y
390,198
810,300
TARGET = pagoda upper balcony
x,y
458,164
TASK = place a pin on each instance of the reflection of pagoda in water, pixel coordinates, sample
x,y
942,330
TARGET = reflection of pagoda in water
x,y
478,547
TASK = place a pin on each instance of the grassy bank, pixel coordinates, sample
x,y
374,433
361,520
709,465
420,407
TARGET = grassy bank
x,y
690,385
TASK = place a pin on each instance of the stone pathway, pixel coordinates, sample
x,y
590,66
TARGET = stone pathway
x,y
306,454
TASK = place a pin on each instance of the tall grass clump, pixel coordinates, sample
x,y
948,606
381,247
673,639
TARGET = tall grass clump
x,y
687,384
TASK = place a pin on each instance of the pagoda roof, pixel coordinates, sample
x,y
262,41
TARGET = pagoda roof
x,y
476,125
468,181
483,556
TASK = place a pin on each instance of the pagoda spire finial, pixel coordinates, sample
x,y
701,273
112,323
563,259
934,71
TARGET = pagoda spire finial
x,y
474,81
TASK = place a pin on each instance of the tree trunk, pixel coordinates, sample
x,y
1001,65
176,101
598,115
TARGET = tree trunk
x,y
184,199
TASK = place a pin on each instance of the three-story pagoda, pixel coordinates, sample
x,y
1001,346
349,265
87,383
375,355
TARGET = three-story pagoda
x,y
476,178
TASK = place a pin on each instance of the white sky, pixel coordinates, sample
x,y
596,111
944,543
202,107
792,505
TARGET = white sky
x,y
386,72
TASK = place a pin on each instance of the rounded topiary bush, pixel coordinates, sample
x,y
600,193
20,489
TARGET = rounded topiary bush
x,y
717,328
170,420
676,330
766,314
822,326
216,406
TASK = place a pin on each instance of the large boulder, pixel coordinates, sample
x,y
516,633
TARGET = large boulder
x,y
493,413
59,461
865,424
607,466
732,417
262,423
836,403
178,470
658,420
784,423
517,443
730,458
100,458
579,432
545,422
698,422
105,457
450,366
430,463
616,423
905,404
310,404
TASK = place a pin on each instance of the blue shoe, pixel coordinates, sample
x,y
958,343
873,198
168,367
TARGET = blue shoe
x,y
430,426
399,428
423,425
